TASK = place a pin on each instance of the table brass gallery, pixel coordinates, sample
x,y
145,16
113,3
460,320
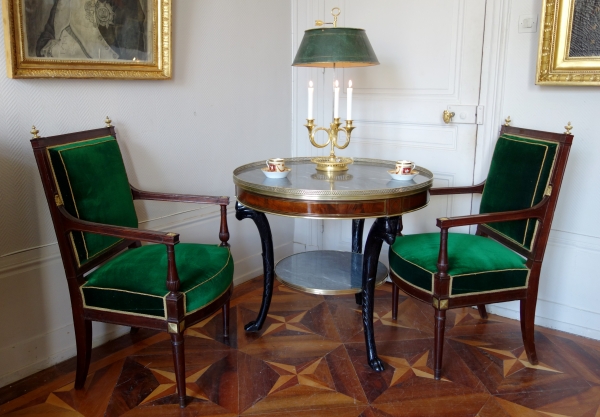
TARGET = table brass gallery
x,y
365,190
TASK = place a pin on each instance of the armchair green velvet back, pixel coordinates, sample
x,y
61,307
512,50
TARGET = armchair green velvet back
x,y
519,174
91,180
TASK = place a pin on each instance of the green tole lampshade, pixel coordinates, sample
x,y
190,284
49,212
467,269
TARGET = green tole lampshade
x,y
338,46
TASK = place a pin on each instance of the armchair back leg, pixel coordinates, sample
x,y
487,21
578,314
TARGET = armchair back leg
x,y
482,311
395,293
438,343
226,319
83,340
527,328
179,362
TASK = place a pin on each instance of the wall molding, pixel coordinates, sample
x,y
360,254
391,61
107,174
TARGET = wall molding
x,y
556,315
547,313
491,93
27,351
33,258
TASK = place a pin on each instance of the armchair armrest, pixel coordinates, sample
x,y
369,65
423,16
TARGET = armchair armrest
x,y
183,198
73,223
168,239
470,189
536,211
189,198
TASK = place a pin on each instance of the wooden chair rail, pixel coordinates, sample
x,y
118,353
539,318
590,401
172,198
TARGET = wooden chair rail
x,y
183,198
536,211
469,189
72,223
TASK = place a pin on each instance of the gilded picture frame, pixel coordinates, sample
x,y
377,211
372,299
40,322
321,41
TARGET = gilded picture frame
x,y
569,48
122,39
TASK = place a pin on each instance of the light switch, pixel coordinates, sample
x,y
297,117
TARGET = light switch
x,y
528,23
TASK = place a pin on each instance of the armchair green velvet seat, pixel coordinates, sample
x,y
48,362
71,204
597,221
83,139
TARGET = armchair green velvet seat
x,y
205,273
502,262
111,277
476,265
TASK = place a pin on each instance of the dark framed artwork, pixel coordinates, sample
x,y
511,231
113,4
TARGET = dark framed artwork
x,y
88,38
569,50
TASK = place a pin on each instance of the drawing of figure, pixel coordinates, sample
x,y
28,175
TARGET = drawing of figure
x,y
585,36
94,29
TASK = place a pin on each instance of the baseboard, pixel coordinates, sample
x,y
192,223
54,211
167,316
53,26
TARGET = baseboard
x,y
60,342
550,315
566,299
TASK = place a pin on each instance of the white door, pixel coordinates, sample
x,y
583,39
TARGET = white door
x,y
430,53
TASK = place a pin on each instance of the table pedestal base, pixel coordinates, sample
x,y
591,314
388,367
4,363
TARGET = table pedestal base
x,y
384,229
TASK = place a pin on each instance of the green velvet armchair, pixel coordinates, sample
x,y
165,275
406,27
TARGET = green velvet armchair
x,y
111,277
502,262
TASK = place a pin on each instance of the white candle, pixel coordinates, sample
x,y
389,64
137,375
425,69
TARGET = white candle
x,y
349,101
336,100
311,91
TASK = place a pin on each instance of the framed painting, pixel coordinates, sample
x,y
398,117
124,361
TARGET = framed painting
x,y
88,38
569,49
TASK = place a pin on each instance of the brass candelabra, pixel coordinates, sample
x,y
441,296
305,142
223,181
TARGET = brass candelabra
x,y
331,163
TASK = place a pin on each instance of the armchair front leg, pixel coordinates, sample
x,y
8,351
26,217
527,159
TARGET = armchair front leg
x,y
440,294
176,323
224,230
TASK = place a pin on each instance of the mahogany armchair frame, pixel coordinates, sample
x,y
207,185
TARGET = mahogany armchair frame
x,y
64,223
543,212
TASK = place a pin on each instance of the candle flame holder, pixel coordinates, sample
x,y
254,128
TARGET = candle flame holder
x,y
331,163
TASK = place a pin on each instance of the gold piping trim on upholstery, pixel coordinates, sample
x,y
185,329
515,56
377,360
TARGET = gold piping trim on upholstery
x,y
413,285
488,271
412,263
164,297
164,316
493,291
536,185
534,237
129,313
109,139
87,253
488,292
199,308
211,278
129,292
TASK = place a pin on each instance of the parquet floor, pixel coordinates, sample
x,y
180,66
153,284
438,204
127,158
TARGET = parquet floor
x,y
309,360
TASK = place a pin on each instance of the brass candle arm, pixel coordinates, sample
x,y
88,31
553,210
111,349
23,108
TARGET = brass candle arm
x,y
332,163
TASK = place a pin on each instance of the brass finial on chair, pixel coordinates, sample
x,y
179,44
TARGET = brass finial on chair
x,y
108,121
507,121
569,127
34,132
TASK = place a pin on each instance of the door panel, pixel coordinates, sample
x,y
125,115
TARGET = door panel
x,y
430,53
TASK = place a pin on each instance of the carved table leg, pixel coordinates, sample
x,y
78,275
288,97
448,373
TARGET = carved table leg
x,y
266,240
384,229
358,226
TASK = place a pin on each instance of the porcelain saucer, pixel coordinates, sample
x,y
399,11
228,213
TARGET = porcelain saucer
x,y
276,174
403,177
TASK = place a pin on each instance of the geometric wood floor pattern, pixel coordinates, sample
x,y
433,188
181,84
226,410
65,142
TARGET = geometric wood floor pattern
x,y
309,360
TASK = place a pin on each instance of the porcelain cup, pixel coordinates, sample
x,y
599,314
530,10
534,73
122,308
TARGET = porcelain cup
x,y
404,167
276,164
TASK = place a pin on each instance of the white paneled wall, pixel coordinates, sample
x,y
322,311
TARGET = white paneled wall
x,y
229,103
